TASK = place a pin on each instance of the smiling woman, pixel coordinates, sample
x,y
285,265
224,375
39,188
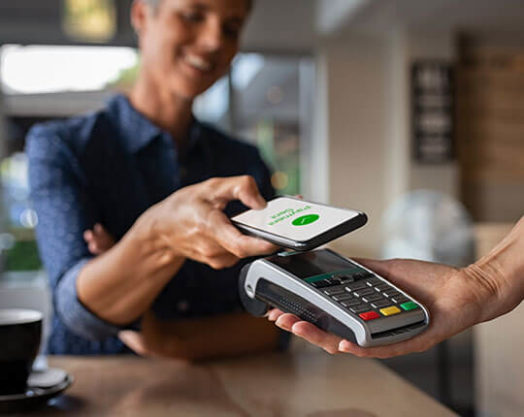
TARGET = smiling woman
x,y
133,201
186,45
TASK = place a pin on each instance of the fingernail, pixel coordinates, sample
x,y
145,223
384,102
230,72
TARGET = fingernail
x,y
278,323
343,346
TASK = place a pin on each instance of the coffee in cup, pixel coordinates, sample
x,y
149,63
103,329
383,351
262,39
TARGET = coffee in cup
x,y
20,334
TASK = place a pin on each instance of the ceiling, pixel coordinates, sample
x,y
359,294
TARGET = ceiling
x,y
275,25
475,16
291,25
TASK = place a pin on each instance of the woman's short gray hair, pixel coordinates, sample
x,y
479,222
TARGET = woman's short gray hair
x,y
154,3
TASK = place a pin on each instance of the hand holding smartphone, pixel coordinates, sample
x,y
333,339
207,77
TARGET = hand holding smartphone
x,y
298,224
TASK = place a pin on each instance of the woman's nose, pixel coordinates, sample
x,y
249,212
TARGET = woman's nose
x,y
211,36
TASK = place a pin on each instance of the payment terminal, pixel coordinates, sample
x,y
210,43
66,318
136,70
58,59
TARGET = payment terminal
x,y
334,293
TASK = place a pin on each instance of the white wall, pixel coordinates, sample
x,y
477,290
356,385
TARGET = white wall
x,y
352,125
362,121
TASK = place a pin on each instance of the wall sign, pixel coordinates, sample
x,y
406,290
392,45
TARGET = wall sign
x,y
432,111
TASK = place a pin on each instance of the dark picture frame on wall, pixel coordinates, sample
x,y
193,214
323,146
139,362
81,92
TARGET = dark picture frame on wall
x,y
432,111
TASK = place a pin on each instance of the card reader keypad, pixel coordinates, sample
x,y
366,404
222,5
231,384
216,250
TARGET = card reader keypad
x,y
365,295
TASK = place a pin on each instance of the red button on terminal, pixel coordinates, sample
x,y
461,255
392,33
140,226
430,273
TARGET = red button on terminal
x,y
369,315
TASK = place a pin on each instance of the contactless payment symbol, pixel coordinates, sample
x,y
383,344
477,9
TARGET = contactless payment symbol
x,y
307,219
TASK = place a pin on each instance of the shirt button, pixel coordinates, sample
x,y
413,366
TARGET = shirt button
x,y
182,306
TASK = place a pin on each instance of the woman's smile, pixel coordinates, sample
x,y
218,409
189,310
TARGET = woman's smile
x,y
199,63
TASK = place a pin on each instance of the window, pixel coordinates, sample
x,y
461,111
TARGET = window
x,y
39,69
260,101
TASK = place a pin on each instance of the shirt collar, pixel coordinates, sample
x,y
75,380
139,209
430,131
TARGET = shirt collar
x,y
139,131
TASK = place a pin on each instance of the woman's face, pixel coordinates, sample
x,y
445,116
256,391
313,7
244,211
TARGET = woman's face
x,y
186,45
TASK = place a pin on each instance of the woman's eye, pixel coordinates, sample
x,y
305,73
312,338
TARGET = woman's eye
x,y
231,31
192,16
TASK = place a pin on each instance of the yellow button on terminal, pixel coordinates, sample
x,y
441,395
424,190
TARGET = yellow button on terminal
x,y
389,311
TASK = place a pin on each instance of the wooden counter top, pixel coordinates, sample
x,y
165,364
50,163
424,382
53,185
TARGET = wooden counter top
x,y
309,383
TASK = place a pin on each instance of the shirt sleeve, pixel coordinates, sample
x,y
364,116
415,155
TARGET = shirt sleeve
x,y
64,211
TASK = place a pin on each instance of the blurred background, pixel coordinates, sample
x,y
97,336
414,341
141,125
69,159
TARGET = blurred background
x,y
410,110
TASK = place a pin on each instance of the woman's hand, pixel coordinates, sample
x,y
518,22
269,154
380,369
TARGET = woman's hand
x,y
122,282
455,298
98,239
210,236
191,223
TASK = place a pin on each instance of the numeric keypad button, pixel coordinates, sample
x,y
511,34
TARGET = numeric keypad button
x,y
399,299
359,308
380,303
350,303
365,291
356,286
371,282
390,293
342,297
371,297
339,289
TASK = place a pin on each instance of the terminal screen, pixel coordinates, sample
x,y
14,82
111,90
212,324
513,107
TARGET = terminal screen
x,y
309,264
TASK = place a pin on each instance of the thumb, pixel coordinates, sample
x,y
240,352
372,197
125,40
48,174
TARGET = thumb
x,y
243,188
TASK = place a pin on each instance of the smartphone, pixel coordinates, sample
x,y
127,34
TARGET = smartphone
x,y
298,224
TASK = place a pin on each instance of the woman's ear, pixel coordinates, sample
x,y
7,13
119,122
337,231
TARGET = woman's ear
x,y
139,15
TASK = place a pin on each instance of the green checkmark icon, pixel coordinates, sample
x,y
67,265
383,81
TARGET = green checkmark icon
x,y
303,220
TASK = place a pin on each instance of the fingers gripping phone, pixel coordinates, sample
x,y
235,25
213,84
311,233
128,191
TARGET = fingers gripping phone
x,y
298,224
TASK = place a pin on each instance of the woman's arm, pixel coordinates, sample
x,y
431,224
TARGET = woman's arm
x,y
121,284
195,338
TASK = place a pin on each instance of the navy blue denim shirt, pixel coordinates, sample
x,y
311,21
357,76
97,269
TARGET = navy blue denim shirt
x,y
109,167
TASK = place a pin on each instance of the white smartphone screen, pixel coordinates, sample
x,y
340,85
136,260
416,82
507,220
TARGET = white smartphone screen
x,y
299,220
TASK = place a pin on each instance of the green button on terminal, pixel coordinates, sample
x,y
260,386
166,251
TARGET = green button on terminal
x,y
410,305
